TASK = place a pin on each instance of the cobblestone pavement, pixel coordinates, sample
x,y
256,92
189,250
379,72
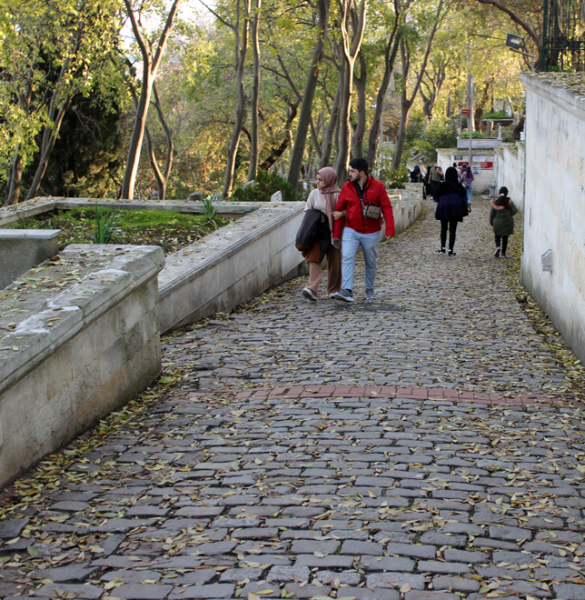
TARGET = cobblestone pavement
x,y
298,489
438,321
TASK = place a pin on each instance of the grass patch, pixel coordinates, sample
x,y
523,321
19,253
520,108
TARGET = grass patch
x,y
167,229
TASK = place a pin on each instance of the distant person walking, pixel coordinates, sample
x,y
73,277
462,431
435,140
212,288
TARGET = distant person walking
x,y
416,175
502,220
365,200
451,208
467,179
324,199
435,178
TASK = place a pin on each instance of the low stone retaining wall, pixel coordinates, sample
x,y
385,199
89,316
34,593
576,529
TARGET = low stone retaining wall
x,y
22,249
232,265
38,206
79,337
406,205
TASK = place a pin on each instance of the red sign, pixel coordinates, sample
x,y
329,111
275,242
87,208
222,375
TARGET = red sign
x,y
486,165
465,111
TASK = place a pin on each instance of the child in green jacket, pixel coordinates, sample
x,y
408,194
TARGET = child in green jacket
x,y
502,220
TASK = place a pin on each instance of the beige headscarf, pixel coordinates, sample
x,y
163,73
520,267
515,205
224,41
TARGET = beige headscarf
x,y
330,192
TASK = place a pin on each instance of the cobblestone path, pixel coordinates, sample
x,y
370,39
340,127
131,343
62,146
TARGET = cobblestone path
x,y
453,476
438,321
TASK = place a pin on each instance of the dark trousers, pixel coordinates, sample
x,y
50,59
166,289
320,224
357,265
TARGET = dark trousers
x,y
450,224
503,245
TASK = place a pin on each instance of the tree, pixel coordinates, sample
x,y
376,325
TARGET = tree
x,y
351,44
151,59
308,97
43,69
407,47
254,141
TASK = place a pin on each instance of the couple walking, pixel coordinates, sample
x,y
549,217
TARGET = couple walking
x,y
353,215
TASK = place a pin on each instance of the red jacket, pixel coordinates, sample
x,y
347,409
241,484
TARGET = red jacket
x,y
374,193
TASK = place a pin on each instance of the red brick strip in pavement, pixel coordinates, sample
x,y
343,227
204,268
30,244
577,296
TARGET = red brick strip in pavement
x,y
410,393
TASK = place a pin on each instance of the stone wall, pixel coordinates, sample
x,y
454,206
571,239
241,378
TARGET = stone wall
x,y
554,205
232,265
79,337
22,249
510,170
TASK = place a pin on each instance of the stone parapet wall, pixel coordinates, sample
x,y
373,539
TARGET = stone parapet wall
x,y
232,265
79,337
22,249
510,171
554,205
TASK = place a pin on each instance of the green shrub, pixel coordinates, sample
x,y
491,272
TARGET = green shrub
x,y
395,178
477,135
265,185
106,227
498,114
439,132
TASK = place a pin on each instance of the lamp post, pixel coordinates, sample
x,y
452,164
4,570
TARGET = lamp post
x,y
514,42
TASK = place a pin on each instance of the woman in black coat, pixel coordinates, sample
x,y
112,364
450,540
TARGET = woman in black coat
x,y
451,200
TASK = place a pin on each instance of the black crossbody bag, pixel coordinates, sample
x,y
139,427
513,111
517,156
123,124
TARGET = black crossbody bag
x,y
369,211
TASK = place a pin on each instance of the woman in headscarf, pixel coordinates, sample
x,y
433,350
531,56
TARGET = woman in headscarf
x,y
324,199
451,200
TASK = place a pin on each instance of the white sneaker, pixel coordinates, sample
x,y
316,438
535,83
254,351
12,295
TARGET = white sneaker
x,y
343,295
370,295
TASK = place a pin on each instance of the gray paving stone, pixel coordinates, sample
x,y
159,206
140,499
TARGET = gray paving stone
x,y
214,548
435,566
455,584
79,572
366,594
452,555
137,591
569,591
361,548
386,563
84,591
392,580
430,595
237,575
295,573
326,562
307,591
11,529
310,547
147,511
509,533
414,550
212,590
344,577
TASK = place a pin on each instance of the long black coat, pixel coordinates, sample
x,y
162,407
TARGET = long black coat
x,y
314,230
451,200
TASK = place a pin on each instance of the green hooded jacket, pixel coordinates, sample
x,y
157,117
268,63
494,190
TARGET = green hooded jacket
x,y
502,218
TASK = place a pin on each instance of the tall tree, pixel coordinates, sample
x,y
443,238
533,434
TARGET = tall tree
x,y
354,19
254,142
407,97
304,120
151,59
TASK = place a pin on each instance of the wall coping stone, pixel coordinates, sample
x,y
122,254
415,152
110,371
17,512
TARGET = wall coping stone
x,y
37,206
551,88
31,234
35,320
190,262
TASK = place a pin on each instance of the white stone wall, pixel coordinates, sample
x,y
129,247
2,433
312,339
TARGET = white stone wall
x,y
447,156
554,215
510,170
78,353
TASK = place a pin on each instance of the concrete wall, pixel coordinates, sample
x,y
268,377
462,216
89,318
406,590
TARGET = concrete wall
x,y
68,358
510,170
554,214
232,265
22,249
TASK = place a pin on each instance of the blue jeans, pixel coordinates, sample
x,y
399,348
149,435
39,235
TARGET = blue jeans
x,y
351,241
468,187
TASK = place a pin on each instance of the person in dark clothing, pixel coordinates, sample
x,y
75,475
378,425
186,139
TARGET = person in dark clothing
x,y
451,200
502,220
416,175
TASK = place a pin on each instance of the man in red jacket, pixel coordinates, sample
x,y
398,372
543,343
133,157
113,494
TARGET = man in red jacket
x,y
362,227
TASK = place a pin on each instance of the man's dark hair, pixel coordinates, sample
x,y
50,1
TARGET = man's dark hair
x,y
361,164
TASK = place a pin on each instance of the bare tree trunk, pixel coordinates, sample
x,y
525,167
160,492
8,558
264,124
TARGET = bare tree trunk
x,y
360,128
47,145
298,150
15,179
241,51
350,51
150,65
254,144
327,146
406,102
278,151
389,60
162,179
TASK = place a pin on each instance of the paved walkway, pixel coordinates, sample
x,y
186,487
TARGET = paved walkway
x,y
415,447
